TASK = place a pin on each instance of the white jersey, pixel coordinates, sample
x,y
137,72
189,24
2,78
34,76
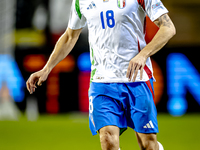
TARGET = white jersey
x,y
116,34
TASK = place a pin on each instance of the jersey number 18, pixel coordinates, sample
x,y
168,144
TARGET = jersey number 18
x,y
109,18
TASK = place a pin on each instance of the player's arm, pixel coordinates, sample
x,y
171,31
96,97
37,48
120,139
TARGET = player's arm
x,y
165,33
62,48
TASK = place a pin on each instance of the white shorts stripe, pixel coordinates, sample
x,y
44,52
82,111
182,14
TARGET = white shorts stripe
x,y
151,124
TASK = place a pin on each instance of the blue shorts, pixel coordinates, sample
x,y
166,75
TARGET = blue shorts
x,y
123,105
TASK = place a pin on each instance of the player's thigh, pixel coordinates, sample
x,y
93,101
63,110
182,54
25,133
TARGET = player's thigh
x,y
147,140
107,112
143,113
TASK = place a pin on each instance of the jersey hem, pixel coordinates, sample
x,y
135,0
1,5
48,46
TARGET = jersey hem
x,y
120,81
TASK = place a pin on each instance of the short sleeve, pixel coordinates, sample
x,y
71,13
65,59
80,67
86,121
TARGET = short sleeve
x,y
153,8
76,19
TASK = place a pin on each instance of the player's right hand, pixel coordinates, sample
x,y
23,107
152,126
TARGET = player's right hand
x,y
37,77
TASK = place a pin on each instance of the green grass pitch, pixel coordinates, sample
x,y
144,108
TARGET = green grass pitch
x,y
71,132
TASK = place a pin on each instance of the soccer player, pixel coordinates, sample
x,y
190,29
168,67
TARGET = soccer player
x,y
121,89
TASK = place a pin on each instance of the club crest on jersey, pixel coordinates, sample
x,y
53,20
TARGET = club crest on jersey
x,y
121,3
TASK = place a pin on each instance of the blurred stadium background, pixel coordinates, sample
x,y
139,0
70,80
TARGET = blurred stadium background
x,y
55,116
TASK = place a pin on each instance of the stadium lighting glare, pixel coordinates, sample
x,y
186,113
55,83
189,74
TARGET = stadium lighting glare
x,y
84,63
11,75
182,77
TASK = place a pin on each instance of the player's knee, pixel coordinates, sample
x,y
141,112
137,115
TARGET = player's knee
x,y
109,140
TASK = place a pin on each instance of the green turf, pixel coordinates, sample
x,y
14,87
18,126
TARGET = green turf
x,y
71,132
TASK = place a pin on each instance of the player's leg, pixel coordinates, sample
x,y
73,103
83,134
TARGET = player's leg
x,y
144,115
148,141
106,114
109,138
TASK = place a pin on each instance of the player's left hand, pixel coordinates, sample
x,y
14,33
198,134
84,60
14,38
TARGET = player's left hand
x,y
137,63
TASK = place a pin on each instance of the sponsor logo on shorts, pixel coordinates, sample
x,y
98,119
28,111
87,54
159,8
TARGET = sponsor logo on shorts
x,y
149,125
